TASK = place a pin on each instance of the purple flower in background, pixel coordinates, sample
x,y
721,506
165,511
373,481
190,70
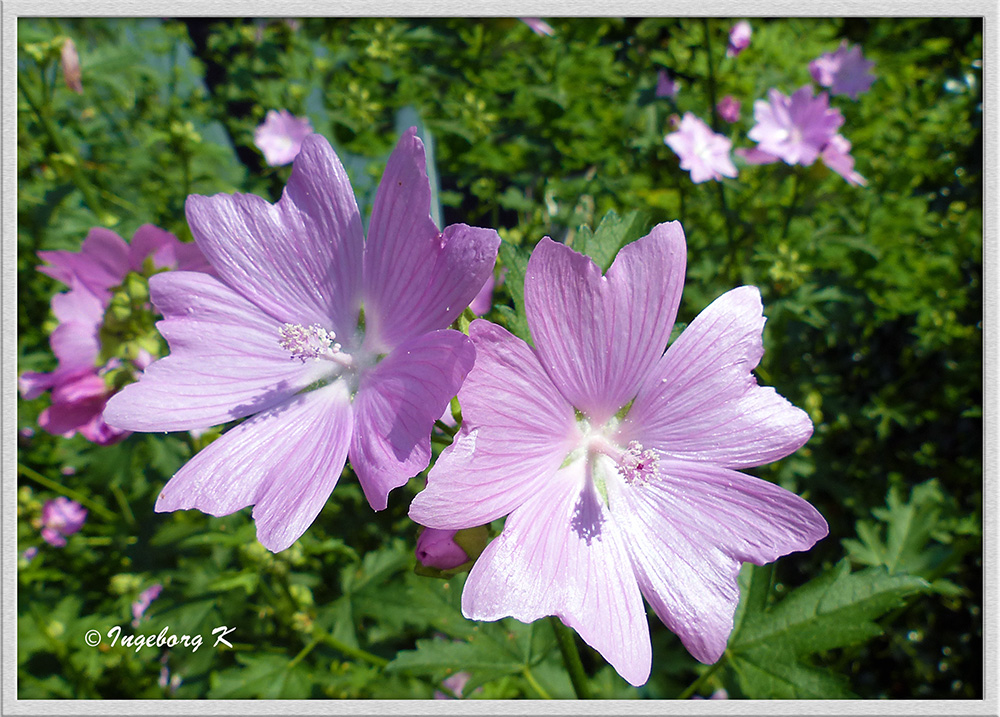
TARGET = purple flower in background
x,y
619,466
538,26
438,549
79,392
61,517
794,129
845,72
729,109
142,603
665,85
280,136
800,130
30,554
279,338
703,152
739,38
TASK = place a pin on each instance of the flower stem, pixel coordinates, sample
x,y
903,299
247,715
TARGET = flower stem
x,y
571,658
355,652
68,492
534,684
702,679
790,210
85,187
730,237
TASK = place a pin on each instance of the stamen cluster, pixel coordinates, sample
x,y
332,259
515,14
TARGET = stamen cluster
x,y
308,343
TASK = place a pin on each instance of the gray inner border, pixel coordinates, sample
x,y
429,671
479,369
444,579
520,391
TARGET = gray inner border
x,y
14,9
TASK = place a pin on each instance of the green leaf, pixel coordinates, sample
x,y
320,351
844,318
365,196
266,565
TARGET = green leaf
x,y
837,609
515,259
612,234
903,539
261,676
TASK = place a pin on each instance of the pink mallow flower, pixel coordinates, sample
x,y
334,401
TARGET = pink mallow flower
x,y
438,549
279,338
61,517
142,603
280,136
79,392
799,130
845,72
794,129
739,38
665,85
729,109
618,466
703,152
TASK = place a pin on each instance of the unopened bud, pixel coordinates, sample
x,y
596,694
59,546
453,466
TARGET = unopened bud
x,y
71,67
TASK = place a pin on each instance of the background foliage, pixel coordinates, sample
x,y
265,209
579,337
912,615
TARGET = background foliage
x,y
873,297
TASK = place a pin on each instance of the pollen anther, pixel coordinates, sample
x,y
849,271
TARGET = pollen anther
x,y
638,465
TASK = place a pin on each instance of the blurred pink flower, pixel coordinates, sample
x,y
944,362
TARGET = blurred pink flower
x,y
438,549
795,129
739,38
61,517
703,152
538,26
800,130
70,62
844,71
729,109
665,85
619,469
455,683
280,136
142,603
79,392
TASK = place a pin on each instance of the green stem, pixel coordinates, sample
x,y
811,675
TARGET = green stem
x,y
571,658
696,685
85,187
790,210
534,684
302,653
355,652
68,492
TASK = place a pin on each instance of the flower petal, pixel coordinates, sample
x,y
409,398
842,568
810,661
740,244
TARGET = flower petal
x,y
561,554
517,429
101,263
599,336
702,401
76,341
417,279
285,462
689,530
300,259
225,361
396,406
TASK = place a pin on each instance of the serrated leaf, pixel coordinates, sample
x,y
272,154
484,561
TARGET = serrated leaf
x,y
261,676
479,656
762,676
612,234
836,609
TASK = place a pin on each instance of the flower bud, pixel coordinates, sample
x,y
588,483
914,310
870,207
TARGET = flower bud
x,y
438,549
